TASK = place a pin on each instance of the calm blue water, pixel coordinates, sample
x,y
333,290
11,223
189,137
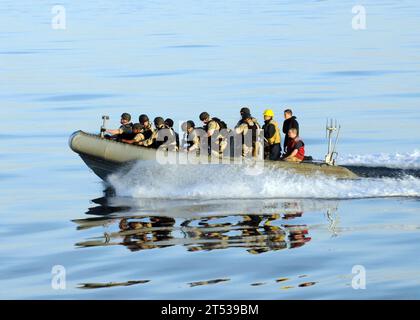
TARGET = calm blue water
x,y
177,59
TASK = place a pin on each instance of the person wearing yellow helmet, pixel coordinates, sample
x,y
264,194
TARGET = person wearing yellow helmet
x,y
272,145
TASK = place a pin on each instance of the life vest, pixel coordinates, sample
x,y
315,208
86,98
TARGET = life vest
x,y
187,141
128,127
173,139
254,134
276,137
147,132
222,125
220,134
242,121
169,137
127,132
291,146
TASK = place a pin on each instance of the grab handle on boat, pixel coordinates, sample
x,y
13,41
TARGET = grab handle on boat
x,y
332,127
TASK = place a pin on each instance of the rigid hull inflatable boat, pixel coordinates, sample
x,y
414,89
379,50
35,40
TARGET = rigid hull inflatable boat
x,y
104,157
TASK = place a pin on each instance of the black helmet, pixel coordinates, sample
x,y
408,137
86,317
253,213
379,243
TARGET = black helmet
x,y
169,122
188,124
143,118
245,110
246,115
138,126
159,121
126,116
204,116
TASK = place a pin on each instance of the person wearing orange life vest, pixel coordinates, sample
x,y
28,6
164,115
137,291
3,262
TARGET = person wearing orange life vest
x,y
295,147
272,138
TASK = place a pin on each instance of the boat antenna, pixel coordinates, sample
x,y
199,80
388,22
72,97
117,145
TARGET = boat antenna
x,y
103,128
331,128
336,140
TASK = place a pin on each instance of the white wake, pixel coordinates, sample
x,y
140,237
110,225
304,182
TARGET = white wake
x,y
148,180
409,160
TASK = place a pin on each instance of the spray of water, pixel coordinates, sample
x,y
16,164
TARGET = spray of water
x,y
409,160
154,181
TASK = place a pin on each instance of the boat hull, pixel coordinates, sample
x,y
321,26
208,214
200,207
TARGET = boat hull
x,y
105,157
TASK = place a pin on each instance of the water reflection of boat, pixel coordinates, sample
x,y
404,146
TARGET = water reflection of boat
x,y
251,232
275,226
